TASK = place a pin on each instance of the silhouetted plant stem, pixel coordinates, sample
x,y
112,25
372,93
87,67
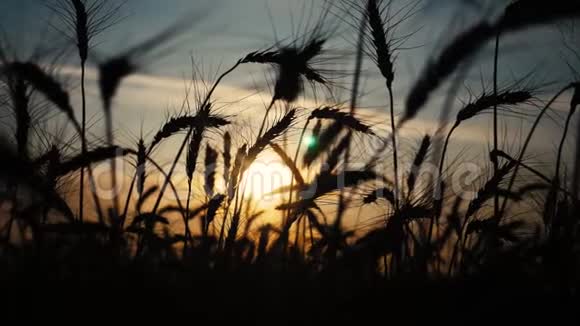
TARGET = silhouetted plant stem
x,y
84,143
227,239
263,125
132,185
395,155
128,198
536,173
84,147
187,137
527,143
495,122
223,237
556,180
223,227
342,204
438,186
225,219
173,189
291,195
397,256
576,175
563,141
186,219
298,147
456,247
93,189
445,146
113,163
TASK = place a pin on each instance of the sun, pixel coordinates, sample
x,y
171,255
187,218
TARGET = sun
x,y
263,177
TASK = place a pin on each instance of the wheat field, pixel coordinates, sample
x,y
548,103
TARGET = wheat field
x,y
302,205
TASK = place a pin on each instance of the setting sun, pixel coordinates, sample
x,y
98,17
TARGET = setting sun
x,y
263,177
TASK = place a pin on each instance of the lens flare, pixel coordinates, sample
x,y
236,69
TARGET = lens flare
x,y
310,141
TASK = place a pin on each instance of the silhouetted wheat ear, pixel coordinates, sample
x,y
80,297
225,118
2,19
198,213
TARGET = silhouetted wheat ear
x,y
312,49
193,152
81,28
114,70
46,85
111,73
292,64
238,163
485,102
233,230
490,188
518,15
379,39
264,57
336,153
82,20
90,157
141,166
227,156
213,206
481,104
21,171
289,82
346,119
463,46
183,123
269,136
524,13
211,157
418,162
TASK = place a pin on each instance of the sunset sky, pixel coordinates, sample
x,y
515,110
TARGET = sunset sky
x,y
222,31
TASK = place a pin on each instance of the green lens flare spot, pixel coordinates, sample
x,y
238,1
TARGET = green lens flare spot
x,y
310,141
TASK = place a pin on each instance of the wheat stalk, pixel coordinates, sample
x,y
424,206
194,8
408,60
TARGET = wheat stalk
x,y
211,157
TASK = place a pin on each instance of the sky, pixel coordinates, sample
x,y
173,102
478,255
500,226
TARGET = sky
x,y
221,31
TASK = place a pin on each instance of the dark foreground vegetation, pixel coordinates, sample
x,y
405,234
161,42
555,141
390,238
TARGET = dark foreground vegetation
x,y
433,256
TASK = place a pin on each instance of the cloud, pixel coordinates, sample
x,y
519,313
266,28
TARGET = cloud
x,y
151,97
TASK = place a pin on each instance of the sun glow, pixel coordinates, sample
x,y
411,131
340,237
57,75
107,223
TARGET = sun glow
x,y
263,177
